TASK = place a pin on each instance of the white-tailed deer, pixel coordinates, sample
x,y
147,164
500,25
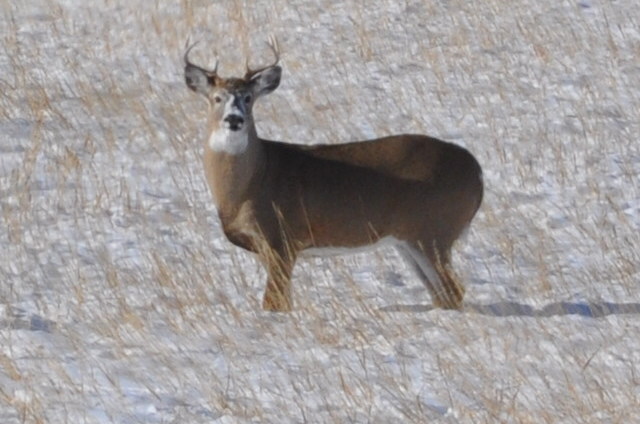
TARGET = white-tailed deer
x,y
277,199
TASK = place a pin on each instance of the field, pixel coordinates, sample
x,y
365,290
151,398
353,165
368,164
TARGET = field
x,y
121,301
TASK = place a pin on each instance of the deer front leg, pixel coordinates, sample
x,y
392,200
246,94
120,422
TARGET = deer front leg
x,y
277,295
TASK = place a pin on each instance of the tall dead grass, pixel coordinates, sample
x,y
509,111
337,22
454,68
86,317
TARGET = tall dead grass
x,y
109,234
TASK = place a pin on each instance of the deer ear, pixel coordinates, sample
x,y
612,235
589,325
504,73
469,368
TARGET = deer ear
x,y
197,79
266,80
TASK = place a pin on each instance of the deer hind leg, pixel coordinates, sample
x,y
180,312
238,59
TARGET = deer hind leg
x,y
277,295
434,269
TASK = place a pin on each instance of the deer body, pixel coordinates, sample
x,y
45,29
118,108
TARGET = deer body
x,y
278,200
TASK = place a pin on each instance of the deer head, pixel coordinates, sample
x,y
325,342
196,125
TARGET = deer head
x,y
231,99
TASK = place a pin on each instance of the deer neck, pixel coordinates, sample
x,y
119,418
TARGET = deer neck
x,y
234,164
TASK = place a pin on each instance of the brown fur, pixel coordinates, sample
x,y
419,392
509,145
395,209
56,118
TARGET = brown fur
x,y
278,199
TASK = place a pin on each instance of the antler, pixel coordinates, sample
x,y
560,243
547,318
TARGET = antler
x,y
273,45
188,63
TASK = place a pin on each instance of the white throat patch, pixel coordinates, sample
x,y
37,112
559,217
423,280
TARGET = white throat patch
x,y
224,140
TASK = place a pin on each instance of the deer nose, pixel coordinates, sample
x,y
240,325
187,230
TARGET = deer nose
x,y
235,122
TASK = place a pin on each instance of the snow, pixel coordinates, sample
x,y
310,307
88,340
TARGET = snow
x,y
122,302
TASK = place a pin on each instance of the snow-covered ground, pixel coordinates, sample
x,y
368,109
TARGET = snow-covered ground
x,y
122,302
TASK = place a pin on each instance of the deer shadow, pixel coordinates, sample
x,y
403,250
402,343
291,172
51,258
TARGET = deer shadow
x,y
20,319
515,309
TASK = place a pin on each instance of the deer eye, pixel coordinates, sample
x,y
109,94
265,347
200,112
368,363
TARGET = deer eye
x,y
217,99
247,98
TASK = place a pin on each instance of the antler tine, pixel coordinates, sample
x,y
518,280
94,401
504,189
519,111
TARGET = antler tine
x,y
275,48
187,62
215,66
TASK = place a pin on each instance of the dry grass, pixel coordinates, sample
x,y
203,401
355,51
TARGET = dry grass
x,y
121,301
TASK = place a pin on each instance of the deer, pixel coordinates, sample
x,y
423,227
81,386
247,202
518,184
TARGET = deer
x,y
281,200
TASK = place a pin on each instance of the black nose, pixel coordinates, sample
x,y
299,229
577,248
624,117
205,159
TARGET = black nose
x,y
235,122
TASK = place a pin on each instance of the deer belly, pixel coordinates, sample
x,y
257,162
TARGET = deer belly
x,y
323,251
